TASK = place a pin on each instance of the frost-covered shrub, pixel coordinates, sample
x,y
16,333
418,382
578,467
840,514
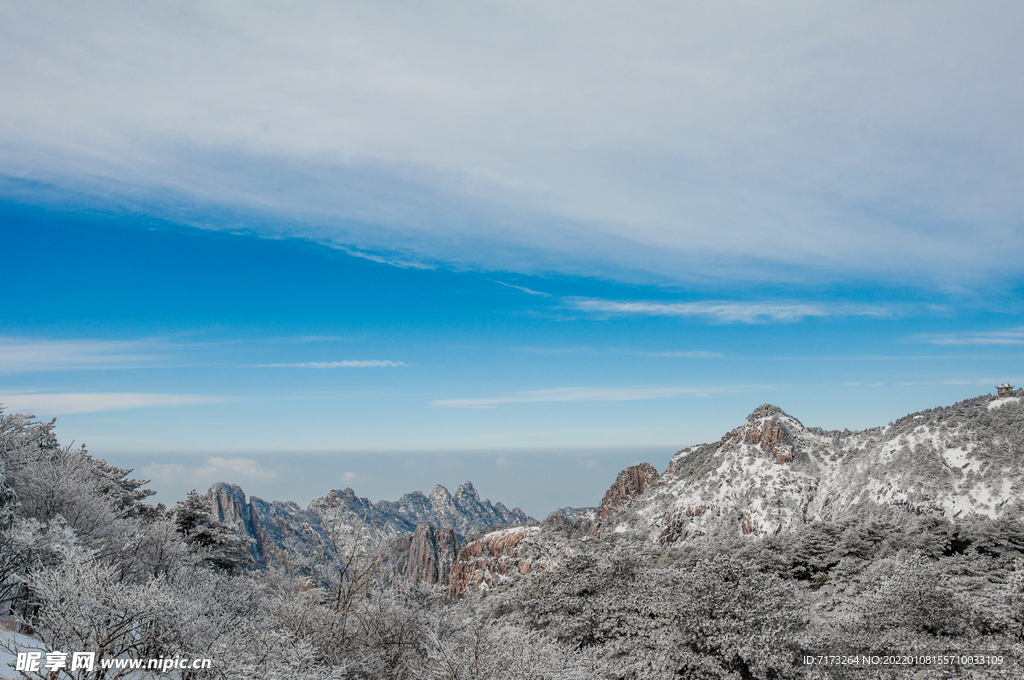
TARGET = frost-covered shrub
x,y
719,617
483,651
915,597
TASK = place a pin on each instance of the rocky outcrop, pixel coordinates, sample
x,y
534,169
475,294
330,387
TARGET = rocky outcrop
x,y
227,504
431,555
630,483
492,559
584,520
768,428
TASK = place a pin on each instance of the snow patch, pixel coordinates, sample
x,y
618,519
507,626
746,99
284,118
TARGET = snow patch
x,y
10,644
997,403
961,460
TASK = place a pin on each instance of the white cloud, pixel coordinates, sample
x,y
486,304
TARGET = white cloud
x,y
1011,336
246,467
815,139
349,477
726,311
216,469
46,403
572,394
22,354
335,364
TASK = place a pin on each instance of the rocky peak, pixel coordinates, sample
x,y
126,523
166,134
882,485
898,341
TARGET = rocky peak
x,y
440,496
345,502
765,411
466,493
227,502
770,429
228,505
630,483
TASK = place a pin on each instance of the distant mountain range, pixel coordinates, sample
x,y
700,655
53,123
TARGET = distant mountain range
x,y
769,475
279,528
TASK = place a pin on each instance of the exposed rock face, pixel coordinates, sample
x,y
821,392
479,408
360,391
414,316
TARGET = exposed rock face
x,y
584,520
228,502
630,483
431,555
281,529
495,558
228,505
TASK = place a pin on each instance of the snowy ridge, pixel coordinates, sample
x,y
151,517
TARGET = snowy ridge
x,y
774,473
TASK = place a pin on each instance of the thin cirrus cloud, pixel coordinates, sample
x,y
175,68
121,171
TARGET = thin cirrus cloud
x,y
576,394
668,354
1011,336
695,354
726,311
350,363
19,354
49,403
528,291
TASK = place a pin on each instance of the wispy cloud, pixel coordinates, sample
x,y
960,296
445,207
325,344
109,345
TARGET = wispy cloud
x,y
394,262
696,354
594,351
726,311
1011,336
21,354
523,289
352,363
705,142
570,394
93,402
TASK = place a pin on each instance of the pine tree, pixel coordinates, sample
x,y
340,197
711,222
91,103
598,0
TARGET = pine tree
x,y
220,544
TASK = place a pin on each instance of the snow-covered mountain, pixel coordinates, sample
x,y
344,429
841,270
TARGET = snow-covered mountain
x,y
773,473
279,527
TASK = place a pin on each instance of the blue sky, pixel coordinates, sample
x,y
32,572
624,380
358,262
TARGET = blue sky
x,y
269,247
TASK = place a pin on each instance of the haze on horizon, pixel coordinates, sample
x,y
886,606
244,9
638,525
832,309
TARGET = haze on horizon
x,y
232,233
